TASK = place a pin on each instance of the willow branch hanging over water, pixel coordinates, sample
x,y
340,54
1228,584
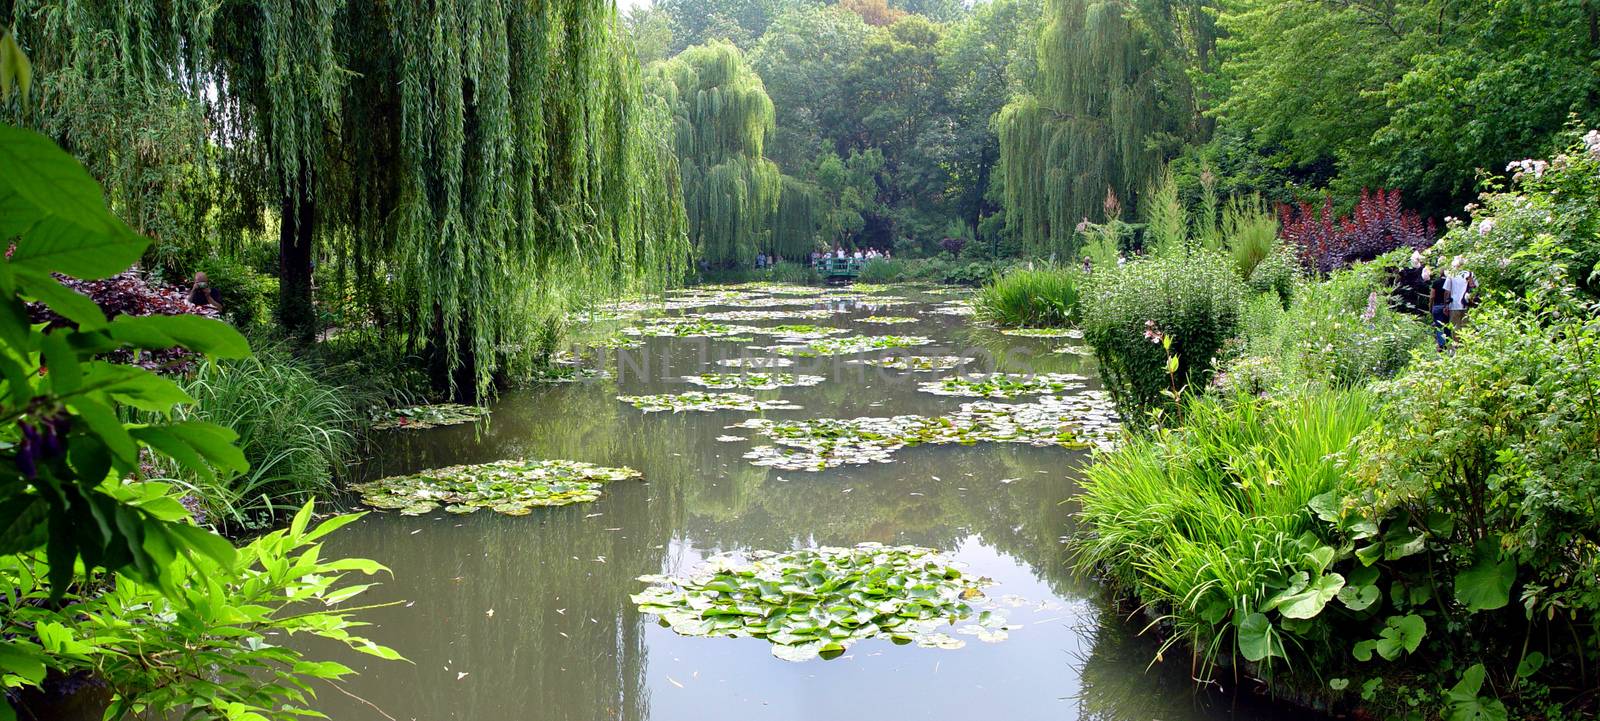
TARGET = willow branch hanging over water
x,y
466,168
1106,97
721,119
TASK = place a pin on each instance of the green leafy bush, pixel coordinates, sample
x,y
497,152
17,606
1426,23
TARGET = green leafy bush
x,y
160,656
247,296
883,270
1032,297
1194,299
295,430
1208,524
1340,332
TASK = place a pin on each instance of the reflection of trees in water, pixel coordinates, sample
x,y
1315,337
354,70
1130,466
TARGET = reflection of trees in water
x,y
564,642
1119,682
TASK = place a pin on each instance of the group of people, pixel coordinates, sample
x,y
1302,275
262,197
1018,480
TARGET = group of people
x,y
841,253
1449,294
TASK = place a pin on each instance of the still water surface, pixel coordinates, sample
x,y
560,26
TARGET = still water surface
x,y
529,617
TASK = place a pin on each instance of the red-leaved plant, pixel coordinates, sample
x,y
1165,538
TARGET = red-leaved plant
x,y
1377,225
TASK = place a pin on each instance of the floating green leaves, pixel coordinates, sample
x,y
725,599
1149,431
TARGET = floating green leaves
x,y
953,307
852,344
512,487
799,332
917,364
1074,350
564,373
420,417
817,602
746,315
887,319
1078,421
1043,332
689,328
1003,385
697,401
755,362
752,381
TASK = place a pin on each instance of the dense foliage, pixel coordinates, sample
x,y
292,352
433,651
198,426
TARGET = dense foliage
x,y
1441,562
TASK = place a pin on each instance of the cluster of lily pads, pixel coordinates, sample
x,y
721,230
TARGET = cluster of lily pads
x,y
888,319
698,401
1074,350
916,364
428,416
799,332
755,362
851,344
1043,332
1003,385
747,315
567,373
752,381
1082,420
690,328
818,602
953,307
512,487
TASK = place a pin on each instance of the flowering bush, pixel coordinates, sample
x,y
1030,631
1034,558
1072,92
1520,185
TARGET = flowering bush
x,y
1537,235
1377,225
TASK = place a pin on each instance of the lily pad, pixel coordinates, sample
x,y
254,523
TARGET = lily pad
x,y
851,344
512,487
746,315
697,401
752,381
431,416
1003,385
1043,332
953,307
1084,420
755,362
1074,350
690,328
819,602
887,319
916,364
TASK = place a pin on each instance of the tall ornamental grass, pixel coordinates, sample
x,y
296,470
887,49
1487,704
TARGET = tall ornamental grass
x,y
296,430
1206,523
1037,297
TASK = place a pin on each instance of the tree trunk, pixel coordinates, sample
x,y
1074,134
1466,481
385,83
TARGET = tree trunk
x,y
461,382
297,223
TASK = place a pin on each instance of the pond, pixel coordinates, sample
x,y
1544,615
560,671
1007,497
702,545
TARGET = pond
x,y
530,617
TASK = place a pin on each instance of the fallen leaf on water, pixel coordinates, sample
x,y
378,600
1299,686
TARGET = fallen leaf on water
x,y
489,613
461,675
675,682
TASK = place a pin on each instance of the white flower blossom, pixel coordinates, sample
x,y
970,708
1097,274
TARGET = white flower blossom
x,y
1486,226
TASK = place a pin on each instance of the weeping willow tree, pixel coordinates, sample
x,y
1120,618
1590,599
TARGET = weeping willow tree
x,y
721,119
470,168
799,219
1109,98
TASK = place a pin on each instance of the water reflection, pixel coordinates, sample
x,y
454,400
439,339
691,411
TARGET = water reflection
x,y
529,618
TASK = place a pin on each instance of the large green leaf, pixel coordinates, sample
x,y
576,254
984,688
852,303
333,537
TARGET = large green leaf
x,y
1258,639
201,335
48,199
1310,602
1487,584
16,73
1466,705
1400,633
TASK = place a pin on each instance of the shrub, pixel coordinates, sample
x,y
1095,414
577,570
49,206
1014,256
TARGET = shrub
x,y
295,431
883,270
1038,297
1376,226
1540,233
247,296
1275,274
1194,299
219,652
797,273
1339,332
1251,233
1207,525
